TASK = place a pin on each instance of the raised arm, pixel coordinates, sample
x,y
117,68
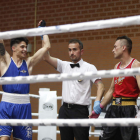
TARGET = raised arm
x,y
47,58
38,56
51,60
4,58
2,48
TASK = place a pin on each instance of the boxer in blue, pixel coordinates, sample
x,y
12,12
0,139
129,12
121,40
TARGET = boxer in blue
x,y
15,103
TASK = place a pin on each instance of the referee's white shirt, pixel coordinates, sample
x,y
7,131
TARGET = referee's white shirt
x,y
73,91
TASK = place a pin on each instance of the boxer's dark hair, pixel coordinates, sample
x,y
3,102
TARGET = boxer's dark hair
x,y
126,41
15,41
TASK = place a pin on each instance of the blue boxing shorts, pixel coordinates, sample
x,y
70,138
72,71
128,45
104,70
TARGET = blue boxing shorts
x,y
16,106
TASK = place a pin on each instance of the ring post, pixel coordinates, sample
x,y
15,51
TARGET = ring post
x,y
47,110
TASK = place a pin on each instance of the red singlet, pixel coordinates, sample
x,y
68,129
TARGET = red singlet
x,y
126,86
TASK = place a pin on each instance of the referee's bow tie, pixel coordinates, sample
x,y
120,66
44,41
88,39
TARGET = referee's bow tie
x,y
75,65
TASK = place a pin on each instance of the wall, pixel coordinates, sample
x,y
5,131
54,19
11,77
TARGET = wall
x,y
98,44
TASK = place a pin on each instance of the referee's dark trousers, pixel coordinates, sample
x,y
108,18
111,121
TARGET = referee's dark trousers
x,y
73,111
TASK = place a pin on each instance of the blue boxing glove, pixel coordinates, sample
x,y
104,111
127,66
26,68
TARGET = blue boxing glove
x,y
97,107
42,24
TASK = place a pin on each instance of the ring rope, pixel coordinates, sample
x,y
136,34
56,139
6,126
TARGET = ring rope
x,y
37,96
35,114
92,25
58,132
65,76
90,133
71,122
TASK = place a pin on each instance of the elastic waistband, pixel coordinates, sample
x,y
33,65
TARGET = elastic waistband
x,y
124,101
16,98
69,105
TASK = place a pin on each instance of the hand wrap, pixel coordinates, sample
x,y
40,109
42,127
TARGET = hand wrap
x,y
43,24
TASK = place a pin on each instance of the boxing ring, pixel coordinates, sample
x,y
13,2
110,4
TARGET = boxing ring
x,y
76,123
58,98
93,25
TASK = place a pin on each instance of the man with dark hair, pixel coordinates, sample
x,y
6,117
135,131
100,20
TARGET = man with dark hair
x,y
76,93
125,91
18,40
15,103
77,41
126,41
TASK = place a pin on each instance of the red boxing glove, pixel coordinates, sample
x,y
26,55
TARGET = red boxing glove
x,y
94,115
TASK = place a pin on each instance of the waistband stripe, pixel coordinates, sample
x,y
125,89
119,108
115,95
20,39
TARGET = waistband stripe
x,y
16,98
124,101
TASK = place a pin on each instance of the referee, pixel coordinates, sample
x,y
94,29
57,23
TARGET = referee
x,y
76,93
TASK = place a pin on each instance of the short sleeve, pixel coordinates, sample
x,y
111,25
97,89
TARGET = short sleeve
x,y
94,69
60,65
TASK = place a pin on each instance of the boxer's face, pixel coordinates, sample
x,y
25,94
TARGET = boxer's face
x,y
118,50
74,52
20,49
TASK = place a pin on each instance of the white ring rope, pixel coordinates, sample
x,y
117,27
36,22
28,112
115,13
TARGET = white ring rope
x,y
34,96
35,114
65,76
71,122
58,132
90,133
92,25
